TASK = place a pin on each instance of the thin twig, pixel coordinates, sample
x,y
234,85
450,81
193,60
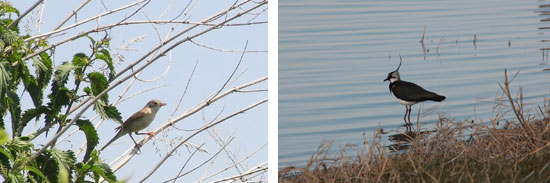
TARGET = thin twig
x,y
199,131
186,87
185,115
150,61
24,14
233,73
232,165
187,161
220,50
84,21
73,13
260,168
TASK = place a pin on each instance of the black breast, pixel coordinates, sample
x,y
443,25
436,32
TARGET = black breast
x,y
412,92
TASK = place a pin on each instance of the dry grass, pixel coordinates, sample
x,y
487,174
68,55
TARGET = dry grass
x,y
458,151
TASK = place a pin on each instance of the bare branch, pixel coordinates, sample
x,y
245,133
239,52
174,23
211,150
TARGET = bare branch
x,y
185,90
233,73
188,113
260,168
161,75
217,49
85,21
72,14
232,165
197,132
187,161
150,61
25,13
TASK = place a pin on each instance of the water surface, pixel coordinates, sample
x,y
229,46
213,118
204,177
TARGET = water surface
x,y
333,56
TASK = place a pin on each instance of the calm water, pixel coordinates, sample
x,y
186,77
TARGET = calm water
x,y
333,56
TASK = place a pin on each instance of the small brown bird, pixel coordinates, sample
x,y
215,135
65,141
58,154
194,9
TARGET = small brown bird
x,y
138,121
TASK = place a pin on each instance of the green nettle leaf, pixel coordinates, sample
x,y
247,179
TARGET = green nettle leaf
x,y
58,89
58,98
98,83
104,55
112,113
4,77
63,97
92,138
16,177
3,137
62,74
35,171
90,38
48,164
87,90
20,144
36,87
81,169
14,107
10,37
7,8
99,107
31,85
5,155
44,70
104,171
80,60
60,94
63,176
28,115
65,161
66,158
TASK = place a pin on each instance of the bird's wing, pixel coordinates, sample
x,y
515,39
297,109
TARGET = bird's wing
x,y
135,117
411,92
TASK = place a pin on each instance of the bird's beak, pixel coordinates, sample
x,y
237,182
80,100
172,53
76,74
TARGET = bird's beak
x,y
387,79
162,104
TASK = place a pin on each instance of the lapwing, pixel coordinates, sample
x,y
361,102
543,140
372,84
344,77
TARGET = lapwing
x,y
408,93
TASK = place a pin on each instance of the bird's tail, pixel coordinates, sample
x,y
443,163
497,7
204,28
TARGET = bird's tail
x,y
118,135
438,98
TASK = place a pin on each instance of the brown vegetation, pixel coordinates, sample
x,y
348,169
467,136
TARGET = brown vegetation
x,y
458,151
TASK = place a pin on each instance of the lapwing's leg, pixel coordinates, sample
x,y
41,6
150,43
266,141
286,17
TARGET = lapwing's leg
x,y
405,118
409,117
410,109
407,124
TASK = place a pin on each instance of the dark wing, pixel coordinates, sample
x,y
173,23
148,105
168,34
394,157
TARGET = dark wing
x,y
412,92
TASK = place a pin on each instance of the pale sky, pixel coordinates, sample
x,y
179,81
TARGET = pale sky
x,y
214,67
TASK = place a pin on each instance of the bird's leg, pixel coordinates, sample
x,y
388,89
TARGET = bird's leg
x,y
410,109
137,145
148,133
405,118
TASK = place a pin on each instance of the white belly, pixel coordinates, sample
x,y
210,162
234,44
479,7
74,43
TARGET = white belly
x,y
145,122
402,101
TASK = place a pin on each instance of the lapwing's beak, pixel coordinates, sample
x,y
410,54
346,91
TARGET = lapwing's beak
x,y
386,79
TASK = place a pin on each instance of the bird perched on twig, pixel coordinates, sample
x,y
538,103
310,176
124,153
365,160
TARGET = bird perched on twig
x,y
138,121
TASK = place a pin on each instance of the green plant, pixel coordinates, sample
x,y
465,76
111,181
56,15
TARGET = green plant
x,y
20,160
